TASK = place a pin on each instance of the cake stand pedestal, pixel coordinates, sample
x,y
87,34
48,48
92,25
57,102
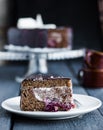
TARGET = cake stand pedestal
x,y
36,64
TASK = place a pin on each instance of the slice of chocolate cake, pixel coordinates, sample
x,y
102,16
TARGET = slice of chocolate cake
x,y
46,93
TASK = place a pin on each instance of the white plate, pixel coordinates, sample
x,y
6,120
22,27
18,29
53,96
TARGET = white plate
x,y
87,104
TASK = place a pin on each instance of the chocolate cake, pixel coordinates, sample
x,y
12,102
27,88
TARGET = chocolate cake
x,y
51,38
46,93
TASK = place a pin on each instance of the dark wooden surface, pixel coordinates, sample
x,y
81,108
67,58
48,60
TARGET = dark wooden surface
x,y
10,88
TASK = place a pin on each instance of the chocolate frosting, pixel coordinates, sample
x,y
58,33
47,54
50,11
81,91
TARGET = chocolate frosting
x,y
42,77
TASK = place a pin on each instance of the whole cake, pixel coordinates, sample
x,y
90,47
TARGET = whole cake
x,y
51,38
46,93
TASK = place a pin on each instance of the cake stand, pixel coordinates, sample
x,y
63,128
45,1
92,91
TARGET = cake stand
x,y
38,57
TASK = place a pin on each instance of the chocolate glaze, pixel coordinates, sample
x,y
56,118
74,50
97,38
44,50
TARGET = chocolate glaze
x,y
34,77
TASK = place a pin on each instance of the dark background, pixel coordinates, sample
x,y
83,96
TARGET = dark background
x,y
81,15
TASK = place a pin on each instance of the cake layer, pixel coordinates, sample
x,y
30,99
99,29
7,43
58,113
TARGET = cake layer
x,y
46,93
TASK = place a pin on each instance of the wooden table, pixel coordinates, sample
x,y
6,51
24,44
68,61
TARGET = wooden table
x,y
10,88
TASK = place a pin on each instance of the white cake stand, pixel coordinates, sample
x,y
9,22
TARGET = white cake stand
x,y
38,57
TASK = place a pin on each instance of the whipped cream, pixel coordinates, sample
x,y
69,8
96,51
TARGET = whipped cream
x,y
62,93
